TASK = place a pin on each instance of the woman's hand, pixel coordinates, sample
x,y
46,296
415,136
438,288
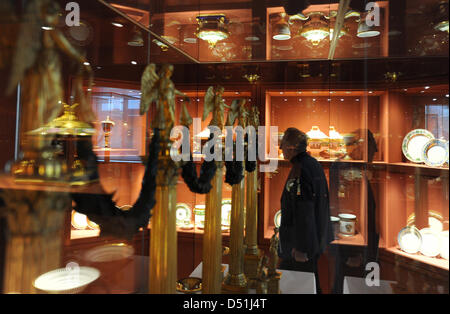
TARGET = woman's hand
x,y
299,256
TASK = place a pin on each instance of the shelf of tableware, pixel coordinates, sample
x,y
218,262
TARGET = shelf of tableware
x,y
124,180
414,188
434,261
347,111
274,183
90,233
122,173
390,119
408,167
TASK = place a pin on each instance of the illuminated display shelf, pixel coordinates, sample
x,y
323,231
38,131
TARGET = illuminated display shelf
x,y
389,160
390,172
434,261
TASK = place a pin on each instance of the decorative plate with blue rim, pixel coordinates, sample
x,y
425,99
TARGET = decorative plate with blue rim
x,y
414,143
435,153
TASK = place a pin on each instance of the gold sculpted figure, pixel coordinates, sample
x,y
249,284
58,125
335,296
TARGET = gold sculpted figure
x,y
37,65
185,117
238,111
262,275
274,243
253,117
159,88
214,103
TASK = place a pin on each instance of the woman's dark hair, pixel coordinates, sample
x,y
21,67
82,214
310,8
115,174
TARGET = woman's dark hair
x,y
295,138
372,147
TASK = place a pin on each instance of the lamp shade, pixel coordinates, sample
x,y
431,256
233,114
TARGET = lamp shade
x,y
315,30
365,30
281,31
441,23
212,28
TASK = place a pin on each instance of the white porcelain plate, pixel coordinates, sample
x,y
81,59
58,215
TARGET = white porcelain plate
x,y
435,153
183,213
409,239
109,252
431,242
66,280
444,244
414,143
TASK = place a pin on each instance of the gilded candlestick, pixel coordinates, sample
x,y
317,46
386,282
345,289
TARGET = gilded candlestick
x,y
236,281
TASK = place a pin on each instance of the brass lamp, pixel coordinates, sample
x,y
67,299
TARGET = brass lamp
x,y
281,30
365,30
51,152
316,29
212,28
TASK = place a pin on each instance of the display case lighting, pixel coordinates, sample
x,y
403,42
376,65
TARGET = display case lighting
x,y
117,24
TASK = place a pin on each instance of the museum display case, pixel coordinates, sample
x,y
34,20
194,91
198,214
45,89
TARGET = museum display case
x,y
368,86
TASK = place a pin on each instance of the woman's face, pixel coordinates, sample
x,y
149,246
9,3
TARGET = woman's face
x,y
288,151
